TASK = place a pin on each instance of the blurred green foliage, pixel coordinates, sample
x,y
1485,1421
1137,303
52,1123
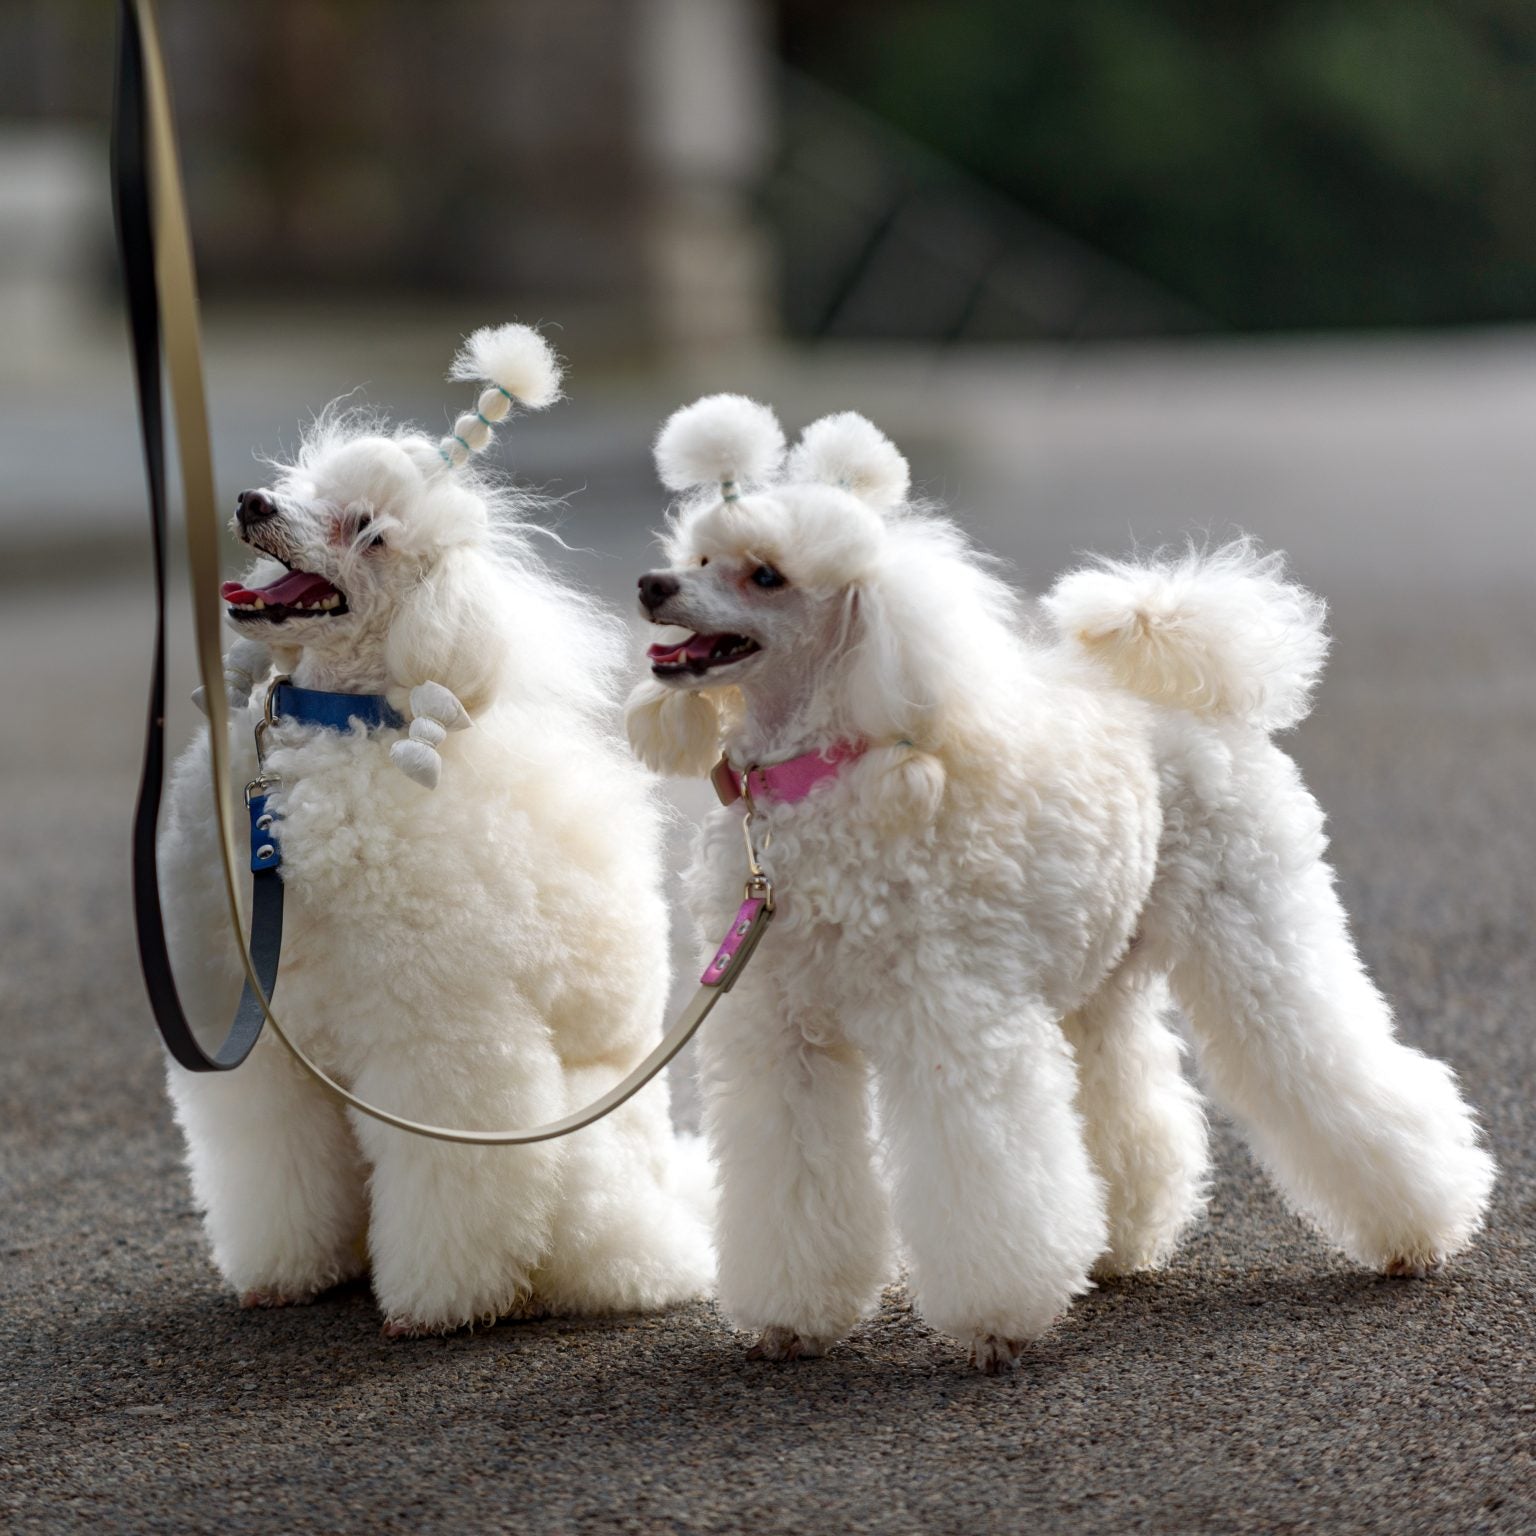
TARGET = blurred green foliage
x,y
1276,162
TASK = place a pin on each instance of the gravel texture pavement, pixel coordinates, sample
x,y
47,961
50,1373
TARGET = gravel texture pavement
x,y
1260,1384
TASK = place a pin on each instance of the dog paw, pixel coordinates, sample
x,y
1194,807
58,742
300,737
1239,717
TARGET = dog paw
x,y
414,1328
529,1308
993,1356
1413,1266
272,1297
781,1344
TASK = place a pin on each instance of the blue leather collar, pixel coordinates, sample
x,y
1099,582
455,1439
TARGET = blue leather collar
x,y
313,706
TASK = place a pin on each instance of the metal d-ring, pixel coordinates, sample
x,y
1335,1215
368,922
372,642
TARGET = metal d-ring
x,y
758,886
268,720
264,780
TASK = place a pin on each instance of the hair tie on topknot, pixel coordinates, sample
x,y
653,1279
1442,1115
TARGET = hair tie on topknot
x,y
724,440
519,368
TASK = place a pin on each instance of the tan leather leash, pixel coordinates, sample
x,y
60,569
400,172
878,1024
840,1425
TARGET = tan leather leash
x,y
161,288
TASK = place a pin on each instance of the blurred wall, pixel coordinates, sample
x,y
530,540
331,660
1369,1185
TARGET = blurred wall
x,y
588,157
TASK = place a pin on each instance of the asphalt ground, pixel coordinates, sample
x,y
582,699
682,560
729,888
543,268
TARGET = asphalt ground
x,y
1260,1384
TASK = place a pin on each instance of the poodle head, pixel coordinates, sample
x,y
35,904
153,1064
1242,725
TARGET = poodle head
x,y
804,587
379,550
762,552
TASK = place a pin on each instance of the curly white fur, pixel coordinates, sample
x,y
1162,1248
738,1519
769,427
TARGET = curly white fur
x,y
490,955
982,917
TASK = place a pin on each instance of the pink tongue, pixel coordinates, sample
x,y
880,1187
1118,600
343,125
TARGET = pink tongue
x,y
696,648
295,587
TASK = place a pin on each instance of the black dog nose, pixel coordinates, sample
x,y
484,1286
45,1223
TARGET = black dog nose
x,y
254,507
655,588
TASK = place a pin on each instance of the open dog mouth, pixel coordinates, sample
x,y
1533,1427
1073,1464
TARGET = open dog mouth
x,y
699,653
299,594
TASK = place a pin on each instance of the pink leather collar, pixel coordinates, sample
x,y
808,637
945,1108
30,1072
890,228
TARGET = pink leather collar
x,y
785,782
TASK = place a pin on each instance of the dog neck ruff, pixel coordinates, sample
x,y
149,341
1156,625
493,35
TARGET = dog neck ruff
x,y
161,291
788,782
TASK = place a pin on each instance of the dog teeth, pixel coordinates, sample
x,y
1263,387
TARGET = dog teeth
x,y
259,603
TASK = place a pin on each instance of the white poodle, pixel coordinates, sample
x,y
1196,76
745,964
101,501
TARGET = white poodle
x,y
487,954
993,854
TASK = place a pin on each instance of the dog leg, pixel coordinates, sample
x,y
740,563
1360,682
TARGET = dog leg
x,y
630,1234
1368,1137
277,1174
802,1227
996,1198
456,1231
1144,1122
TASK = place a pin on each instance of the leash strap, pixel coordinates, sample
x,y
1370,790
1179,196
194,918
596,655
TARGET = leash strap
x,y
133,199
161,287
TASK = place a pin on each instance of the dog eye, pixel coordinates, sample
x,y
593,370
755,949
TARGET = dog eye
x,y
766,576
376,542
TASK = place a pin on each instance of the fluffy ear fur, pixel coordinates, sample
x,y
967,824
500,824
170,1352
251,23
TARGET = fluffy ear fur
x,y
448,631
850,451
722,439
929,640
676,733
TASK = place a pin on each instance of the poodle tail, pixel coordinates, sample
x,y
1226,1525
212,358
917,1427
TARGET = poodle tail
x,y
1218,632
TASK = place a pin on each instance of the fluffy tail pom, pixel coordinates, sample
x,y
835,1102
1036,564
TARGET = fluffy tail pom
x,y
1220,632
521,369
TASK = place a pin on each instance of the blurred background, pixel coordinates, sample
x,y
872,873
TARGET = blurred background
x,y
1111,273
1108,269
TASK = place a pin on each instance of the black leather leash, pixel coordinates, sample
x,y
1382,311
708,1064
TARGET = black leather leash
x,y
131,196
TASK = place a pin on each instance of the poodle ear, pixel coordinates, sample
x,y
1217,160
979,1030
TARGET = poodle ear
x,y
678,733
891,696
850,451
722,439
447,631
891,689
521,369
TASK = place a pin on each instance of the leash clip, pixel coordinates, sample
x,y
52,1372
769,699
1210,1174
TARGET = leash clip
x,y
758,887
267,721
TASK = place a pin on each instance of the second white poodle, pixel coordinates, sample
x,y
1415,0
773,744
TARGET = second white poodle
x,y
993,854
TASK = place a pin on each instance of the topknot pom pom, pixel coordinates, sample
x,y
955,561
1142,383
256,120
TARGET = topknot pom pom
x,y
520,365
721,438
516,359
851,451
